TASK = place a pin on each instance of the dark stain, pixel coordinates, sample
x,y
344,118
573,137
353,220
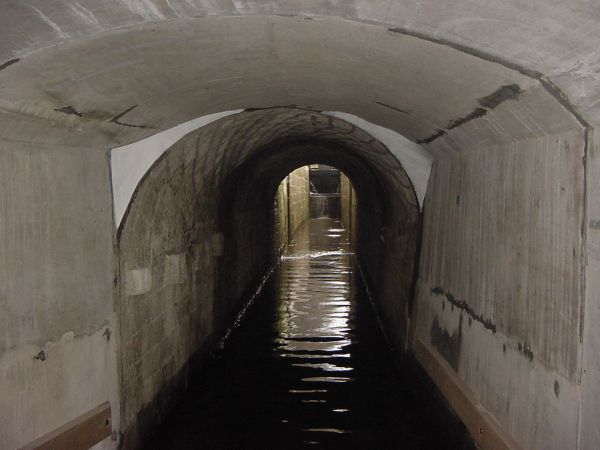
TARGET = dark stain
x,y
556,388
461,304
554,90
69,110
447,344
117,118
458,199
476,114
385,105
107,334
433,137
525,350
41,356
504,348
9,63
500,95
489,102
292,106
470,321
437,291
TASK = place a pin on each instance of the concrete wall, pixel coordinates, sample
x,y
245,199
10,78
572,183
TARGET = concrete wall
x,y
56,289
116,72
499,293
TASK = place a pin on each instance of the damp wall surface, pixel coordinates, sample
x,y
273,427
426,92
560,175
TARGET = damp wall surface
x,y
184,245
291,207
348,206
499,289
299,190
197,239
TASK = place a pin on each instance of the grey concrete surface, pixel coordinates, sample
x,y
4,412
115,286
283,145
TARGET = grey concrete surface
x,y
500,93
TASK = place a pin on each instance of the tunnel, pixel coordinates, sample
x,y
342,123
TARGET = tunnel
x,y
144,144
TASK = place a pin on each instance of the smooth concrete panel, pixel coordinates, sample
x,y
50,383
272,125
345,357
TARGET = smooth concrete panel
x,y
500,280
558,38
131,83
39,395
56,238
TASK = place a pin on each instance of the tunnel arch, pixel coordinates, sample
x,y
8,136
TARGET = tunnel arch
x,y
196,238
519,150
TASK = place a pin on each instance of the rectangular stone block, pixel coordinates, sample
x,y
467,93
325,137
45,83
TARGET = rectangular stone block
x,y
138,281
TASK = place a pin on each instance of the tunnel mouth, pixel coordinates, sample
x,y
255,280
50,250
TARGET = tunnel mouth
x,y
198,238
314,191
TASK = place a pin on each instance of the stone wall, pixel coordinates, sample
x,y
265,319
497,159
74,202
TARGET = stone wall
x,y
499,293
299,197
348,205
197,240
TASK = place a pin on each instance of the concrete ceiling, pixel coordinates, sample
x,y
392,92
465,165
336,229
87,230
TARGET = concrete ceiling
x,y
130,69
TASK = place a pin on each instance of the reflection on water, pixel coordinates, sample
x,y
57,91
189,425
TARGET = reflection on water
x,y
308,367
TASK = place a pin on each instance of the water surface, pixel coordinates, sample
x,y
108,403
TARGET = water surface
x,y
307,368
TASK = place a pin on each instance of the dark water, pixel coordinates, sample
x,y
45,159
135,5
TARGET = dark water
x,y
307,368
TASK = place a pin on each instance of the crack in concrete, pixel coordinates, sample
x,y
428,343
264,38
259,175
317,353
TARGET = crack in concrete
x,y
433,137
475,114
392,107
292,106
471,51
464,306
117,118
9,63
69,110
488,103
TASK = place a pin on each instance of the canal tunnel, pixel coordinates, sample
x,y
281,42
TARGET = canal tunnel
x,y
204,214
144,144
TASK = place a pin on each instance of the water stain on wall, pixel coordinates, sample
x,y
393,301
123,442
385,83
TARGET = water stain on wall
x,y
447,344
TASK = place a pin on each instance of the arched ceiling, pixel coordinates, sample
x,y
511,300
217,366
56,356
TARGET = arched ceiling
x,y
116,72
223,150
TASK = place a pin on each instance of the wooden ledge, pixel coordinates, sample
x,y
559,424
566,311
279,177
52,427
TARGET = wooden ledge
x,y
484,428
79,434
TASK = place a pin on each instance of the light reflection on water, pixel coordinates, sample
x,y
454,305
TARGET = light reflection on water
x,y
307,368
314,316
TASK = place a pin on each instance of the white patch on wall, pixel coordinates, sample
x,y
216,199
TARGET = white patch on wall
x,y
130,162
414,158
138,281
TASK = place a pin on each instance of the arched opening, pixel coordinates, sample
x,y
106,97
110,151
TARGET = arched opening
x,y
307,363
198,238
504,314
